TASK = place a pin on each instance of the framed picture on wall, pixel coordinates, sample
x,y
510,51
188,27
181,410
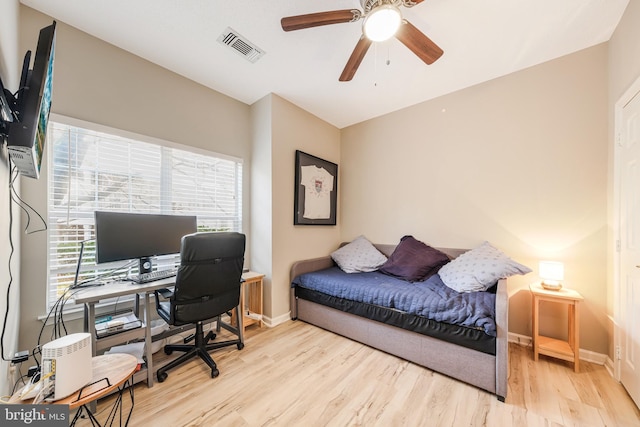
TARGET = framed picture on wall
x,y
316,191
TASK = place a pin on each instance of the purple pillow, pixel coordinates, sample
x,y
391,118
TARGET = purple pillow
x,y
413,261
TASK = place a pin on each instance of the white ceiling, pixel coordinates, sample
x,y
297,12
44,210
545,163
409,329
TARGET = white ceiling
x,y
481,39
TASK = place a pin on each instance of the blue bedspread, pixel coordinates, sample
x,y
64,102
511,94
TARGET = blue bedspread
x,y
430,298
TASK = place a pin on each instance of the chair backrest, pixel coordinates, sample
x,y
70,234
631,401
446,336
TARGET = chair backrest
x,y
208,280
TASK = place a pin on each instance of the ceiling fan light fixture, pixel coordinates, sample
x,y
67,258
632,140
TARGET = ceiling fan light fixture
x,y
382,23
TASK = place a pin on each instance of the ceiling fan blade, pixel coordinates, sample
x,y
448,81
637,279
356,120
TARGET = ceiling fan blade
x,y
300,22
418,43
355,59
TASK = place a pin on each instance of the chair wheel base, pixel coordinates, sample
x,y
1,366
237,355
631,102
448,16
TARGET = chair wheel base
x,y
214,373
210,337
162,376
240,346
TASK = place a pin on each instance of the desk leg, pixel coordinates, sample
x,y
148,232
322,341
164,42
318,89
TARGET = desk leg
x,y
136,306
147,340
90,325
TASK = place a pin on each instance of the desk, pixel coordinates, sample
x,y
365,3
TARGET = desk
x,y
110,372
91,296
565,350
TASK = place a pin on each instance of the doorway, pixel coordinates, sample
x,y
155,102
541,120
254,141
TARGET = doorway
x,y
627,254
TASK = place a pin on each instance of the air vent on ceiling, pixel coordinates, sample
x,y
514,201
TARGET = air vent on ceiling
x,y
240,45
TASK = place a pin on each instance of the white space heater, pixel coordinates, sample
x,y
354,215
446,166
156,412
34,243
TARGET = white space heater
x,y
68,360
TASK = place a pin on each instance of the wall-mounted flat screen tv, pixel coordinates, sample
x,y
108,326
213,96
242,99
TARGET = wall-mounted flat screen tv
x,y
26,136
6,110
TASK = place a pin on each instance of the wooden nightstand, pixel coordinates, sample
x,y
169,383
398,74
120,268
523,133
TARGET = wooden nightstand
x,y
565,350
251,299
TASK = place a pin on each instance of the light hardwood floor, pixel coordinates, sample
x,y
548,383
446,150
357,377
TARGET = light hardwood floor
x,y
298,375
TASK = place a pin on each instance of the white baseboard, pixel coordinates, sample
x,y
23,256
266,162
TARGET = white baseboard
x,y
275,321
608,364
520,339
593,357
586,355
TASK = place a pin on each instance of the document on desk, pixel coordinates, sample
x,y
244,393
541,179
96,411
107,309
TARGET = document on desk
x,y
110,325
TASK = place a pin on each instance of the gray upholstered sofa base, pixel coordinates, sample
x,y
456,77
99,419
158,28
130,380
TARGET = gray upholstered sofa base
x,y
471,366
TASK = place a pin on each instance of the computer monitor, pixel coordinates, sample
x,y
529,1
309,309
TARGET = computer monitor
x,y
123,236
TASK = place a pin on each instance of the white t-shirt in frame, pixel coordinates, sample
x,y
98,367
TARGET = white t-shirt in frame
x,y
318,184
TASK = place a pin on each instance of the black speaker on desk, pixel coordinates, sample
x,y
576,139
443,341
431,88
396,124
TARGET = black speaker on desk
x,y
145,265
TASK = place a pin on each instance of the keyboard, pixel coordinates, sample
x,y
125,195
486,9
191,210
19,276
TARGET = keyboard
x,y
155,275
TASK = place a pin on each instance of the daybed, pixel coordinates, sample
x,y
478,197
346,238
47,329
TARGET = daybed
x,y
485,367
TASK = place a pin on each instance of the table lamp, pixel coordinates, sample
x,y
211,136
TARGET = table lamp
x,y
551,273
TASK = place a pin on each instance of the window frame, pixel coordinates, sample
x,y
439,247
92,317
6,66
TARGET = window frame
x,y
50,299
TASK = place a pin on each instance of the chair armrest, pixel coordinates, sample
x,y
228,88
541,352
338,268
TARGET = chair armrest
x,y
166,293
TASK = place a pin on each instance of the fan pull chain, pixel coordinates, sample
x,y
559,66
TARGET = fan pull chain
x,y
375,64
375,61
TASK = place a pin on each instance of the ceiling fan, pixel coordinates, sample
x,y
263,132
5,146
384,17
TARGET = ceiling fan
x,y
382,20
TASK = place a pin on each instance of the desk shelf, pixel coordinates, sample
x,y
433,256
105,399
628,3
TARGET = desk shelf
x,y
106,342
90,297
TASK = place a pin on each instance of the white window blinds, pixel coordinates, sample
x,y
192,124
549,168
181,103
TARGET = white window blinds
x,y
90,170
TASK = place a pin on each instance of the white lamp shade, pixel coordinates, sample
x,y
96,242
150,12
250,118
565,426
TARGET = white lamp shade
x,y
551,271
382,23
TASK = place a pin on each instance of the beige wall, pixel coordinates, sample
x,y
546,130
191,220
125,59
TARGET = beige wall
x,y
9,71
281,128
624,53
296,129
519,161
624,70
262,197
97,82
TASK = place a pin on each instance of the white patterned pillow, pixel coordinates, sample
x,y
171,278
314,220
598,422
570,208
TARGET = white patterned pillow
x,y
358,256
479,269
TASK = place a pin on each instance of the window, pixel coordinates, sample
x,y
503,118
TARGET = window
x,y
91,170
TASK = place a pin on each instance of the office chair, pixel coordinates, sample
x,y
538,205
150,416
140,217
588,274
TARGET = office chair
x,y
207,286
